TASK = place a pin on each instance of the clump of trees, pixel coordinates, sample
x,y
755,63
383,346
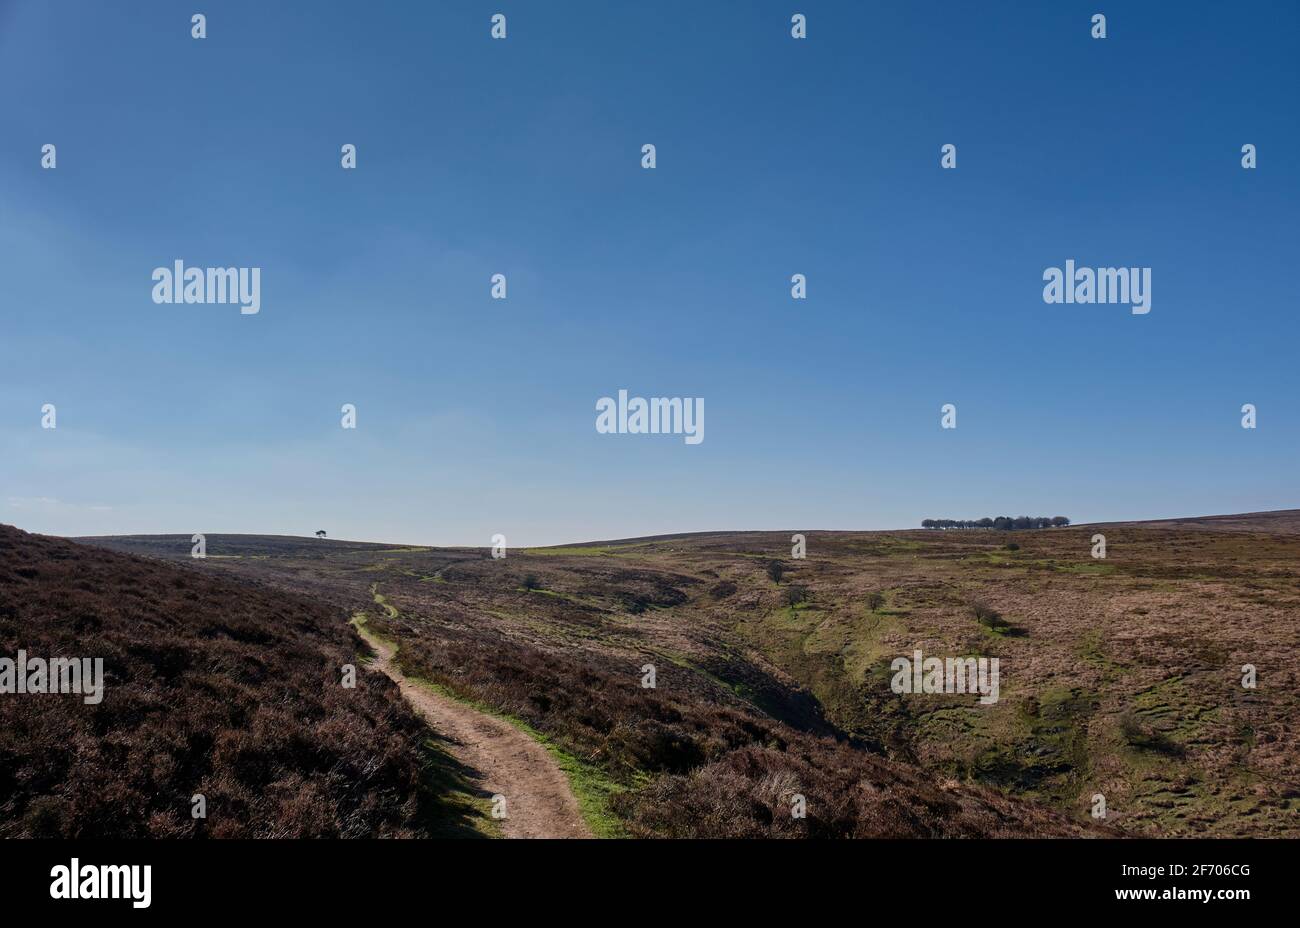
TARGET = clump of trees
x,y
1004,523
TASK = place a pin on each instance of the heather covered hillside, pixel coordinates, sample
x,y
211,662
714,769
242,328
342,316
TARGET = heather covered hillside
x,y
709,685
224,682
211,687
724,744
1121,676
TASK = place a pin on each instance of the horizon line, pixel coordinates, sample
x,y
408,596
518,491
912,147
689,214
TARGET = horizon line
x,y
670,535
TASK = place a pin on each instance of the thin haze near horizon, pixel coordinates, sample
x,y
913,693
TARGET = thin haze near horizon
x,y
522,157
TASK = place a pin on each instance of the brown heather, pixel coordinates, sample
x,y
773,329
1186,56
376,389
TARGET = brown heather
x,y
1120,676
718,749
211,686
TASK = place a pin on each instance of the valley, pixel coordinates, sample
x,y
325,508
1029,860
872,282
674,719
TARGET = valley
x,y
1120,678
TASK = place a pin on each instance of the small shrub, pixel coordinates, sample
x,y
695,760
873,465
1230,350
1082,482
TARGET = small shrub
x,y
1131,728
1012,546
875,601
987,616
723,590
532,583
1140,736
795,594
775,570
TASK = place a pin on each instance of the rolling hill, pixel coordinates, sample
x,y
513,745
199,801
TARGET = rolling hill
x,y
1281,521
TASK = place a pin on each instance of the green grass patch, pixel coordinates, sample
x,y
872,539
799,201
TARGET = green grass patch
x,y
1096,568
448,803
591,786
581,551
382,602
1040,747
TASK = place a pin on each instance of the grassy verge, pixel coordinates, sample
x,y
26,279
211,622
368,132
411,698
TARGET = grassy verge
x,y
449,804
591,786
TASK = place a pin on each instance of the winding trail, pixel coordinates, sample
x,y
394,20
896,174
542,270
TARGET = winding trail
x,y
538,800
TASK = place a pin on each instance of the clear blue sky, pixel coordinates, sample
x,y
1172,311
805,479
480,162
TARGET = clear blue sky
x,y
522,157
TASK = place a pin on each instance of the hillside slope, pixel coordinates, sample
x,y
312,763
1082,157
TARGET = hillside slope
x,y
212,687
1280,521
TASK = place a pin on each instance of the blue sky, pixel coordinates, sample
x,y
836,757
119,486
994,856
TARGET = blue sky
x,y
522,157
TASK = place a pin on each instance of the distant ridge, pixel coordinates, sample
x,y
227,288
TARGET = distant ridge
x,y
1278,522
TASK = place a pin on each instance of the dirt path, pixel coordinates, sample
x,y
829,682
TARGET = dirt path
x,y
538,800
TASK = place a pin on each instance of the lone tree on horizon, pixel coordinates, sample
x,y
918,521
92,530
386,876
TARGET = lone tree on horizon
x,y
320,533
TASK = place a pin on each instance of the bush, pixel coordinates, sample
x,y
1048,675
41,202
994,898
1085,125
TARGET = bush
x,y
635,603
1140,736
532,583
776,570
987,616
875,601
795,594
723,590
1131,728
1012,546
